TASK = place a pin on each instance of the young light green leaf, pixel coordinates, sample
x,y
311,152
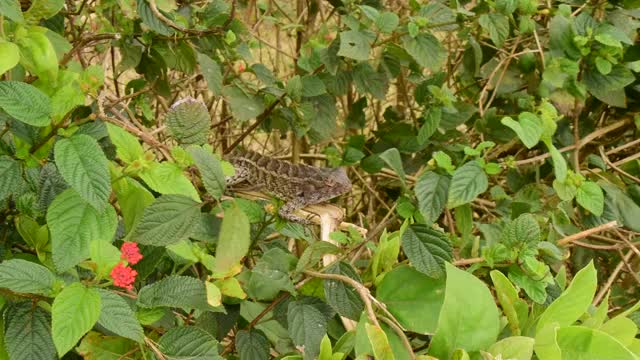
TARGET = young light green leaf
x,y
528,128
394,161
73,313
11,9
37,54
252,345
167,178
43,9
73,225
189,342
27,332
559,163
26,277
212,73
128,148
379,342
84,166
509,301
467,183
514,347
10,54
168,220
354,45
431,191
10,176
183,292
116,316
233,241
210,171
188,121
25,103
133,198
467,300
426,50
427,249
579,342
591,197
342,296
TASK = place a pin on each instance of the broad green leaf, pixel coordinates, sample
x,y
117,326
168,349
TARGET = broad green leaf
x,y
212,73
307,326
534,287
342,296
27,332
497,25
609,88
431,191
10,176
270,275
233,241
73,313
591,197
566,190
128,147
151,21
467,183
188,121
313,253
210,171
522,233
427,249
416,307
514,348
392,158
189,342
244,106
169,219
105,256
367,80
354,45
43,9
116,316
379,342
168,179
559,163
26,277
133,198
426,50
578,342
621,328
25,103
84,166
626,209
562,35
11,9
10,54
528,128
432,119
387,22
467,300
312,86
323,123
183,292
252,345
509,301
73,225
95,345
38,55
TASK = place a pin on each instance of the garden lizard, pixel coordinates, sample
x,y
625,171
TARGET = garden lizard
x,y
298,185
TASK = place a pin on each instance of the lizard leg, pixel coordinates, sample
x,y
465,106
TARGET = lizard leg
x,y
286,211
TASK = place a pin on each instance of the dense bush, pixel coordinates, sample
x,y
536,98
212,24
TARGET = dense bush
x,y
492,145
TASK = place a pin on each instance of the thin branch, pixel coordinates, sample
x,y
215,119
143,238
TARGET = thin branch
x,y
616,168
583,234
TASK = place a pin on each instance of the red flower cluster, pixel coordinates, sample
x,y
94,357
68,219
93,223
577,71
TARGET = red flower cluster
x,y
130,252
123,275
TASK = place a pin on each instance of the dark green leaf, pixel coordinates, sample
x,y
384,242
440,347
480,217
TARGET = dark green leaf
x,y
467,183
25,102
244,105
117,317
189,342
26,277
10,177
394,161
27,332
426,50
497,25
609,88
431,190
188,121
210,170
427,249
168,220
183,292
149,19
307,326
252,345
367,80
342,296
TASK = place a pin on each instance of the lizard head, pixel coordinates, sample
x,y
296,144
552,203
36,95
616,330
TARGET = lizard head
x,y
337,183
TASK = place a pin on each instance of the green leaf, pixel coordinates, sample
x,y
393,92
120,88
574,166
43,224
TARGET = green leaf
x,y
233,241
10,54
497,25
431,191
188,121
559,163
168,220
342,296
427,249
312,86
11,9
416,307
307,325
105,256
387,22
313,253
432,119
394,161
379,343
25,103
514,347
591,197
73,313
528,128
621,328
133,198
167,178
10,176
38,55
367,80
73,225
189,342
128,147
210,171
244,106
579,342
183,292
467,183
252,345
609,88
212,73
26,277
116,316
150,20
467,300
426,50
510,303
270,275
522,233
27,332
354,45
43,9
84,166
603,66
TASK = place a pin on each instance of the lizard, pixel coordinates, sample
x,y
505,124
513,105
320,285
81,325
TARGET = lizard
x,y
298,185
